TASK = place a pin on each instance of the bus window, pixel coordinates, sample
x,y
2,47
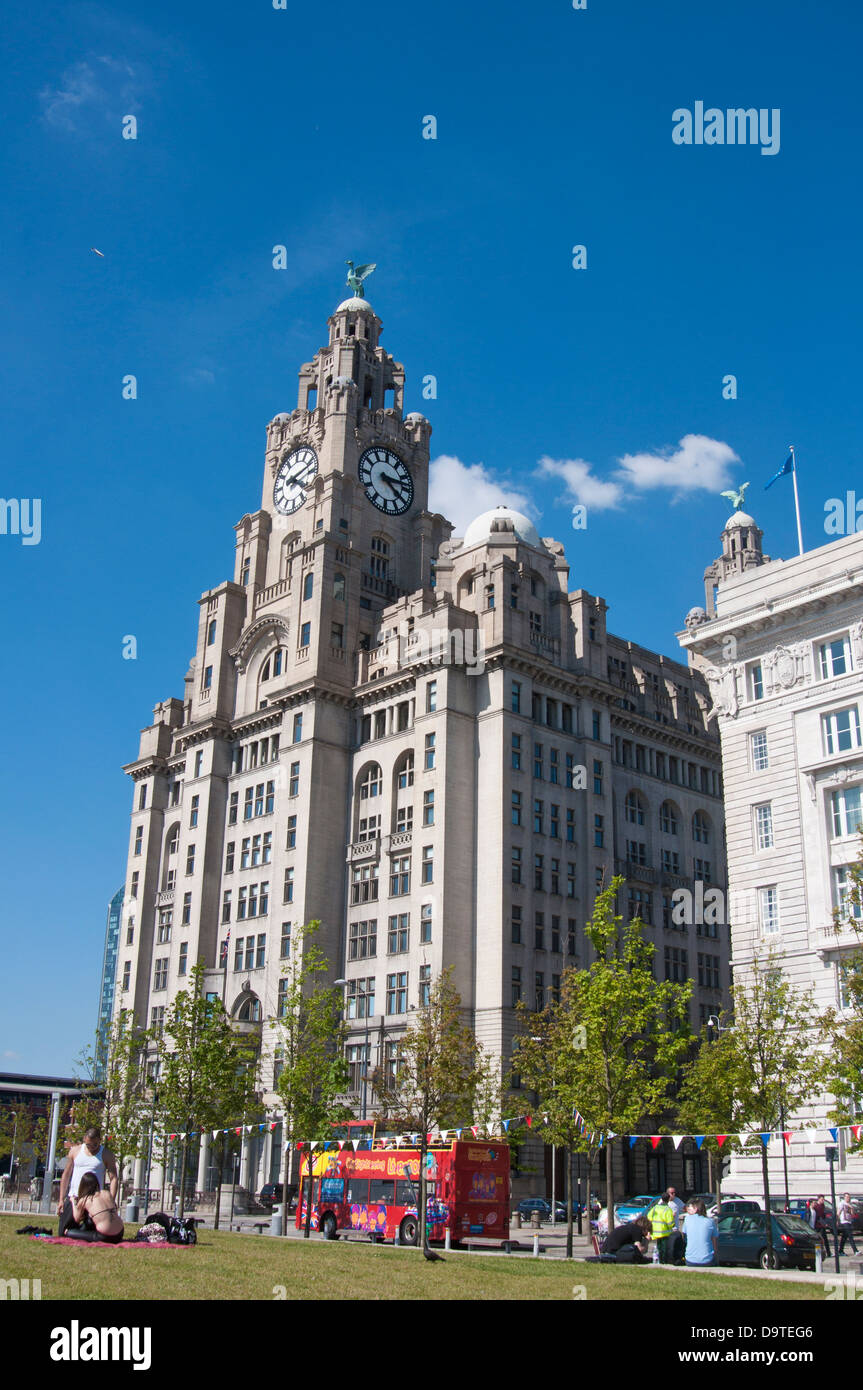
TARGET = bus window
x,y
333,1189
358,1190
382,1191
406,1194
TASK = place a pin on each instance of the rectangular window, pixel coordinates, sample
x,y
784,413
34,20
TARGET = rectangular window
x,y
597,777
398,934
538,873
242,904
701,869
362,940
598,832
199,763
670,861
515,919
282,1002
570,826
539,931
570,880
294,782
768,910
537,817
305,635
397,993
298,728
425,986
426,923
291,842
516,752
133,890
160,974
539,991
267,849
238,952
516,985
708,971
364,883
636,852
404,820
429,752
841,730
139,839
127,975
764,825
555,876
553,766
285,942
756,681
142,797
515,862
400,876
187,909
249,803
537,760
431,697
515,697
261,951
570,936
208,678
288,895
834,657
361,998
190,859
226,905
555,934
229,857
847,811
554,821
427,869
184,958
233,805
676,964
428,808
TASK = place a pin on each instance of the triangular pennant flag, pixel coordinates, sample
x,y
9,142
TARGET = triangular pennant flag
x,y
611,1134
261,1128
238,1130
474,1129
720,1139
677,1140
273,1124
834,1135
313,1144
632,1139
855,1130
341,1143
765,1137
171,1136
192,1133
699,1139
528,1121
506,1124
356,1144
656,1140
249,1128
216,1133
786,1135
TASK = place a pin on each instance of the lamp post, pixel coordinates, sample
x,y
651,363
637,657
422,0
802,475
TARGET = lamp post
x,y
14,1114
831,1153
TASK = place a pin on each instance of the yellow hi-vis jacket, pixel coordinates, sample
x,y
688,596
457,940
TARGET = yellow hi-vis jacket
x,y
661,1218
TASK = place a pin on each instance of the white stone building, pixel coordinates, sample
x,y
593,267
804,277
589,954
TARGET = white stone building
x,y
429,744
781,644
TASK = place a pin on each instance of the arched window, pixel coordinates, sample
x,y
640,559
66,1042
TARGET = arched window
x,y
404,771
636,808
371,782
211,632
249,1011
274,664
339,587
669,818
308,584
701,828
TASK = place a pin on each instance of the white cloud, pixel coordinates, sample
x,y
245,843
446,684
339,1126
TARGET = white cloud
x,y
9,1056
461,491
199,376
697,464
581,483
103,87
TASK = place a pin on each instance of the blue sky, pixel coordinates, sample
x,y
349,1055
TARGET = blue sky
x,y
258,127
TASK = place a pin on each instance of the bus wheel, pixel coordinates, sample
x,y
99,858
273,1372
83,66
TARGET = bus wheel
x,y
409,1230
328,1226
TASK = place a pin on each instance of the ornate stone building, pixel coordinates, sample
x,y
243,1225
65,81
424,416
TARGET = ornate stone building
x,y
781,646
429,744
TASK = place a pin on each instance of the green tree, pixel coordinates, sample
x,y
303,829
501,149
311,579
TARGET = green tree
x,y
310,1036
842,1030
437,1075
610,1047
767,1056
706,1101
207,1071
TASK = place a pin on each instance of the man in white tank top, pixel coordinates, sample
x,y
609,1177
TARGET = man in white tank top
x,y
88,1157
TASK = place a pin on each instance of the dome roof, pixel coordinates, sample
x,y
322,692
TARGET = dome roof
x,y
498,521
355,303
282,415
740,519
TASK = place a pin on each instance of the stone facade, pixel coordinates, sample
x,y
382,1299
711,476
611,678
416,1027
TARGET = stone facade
x,y
426,743
783,654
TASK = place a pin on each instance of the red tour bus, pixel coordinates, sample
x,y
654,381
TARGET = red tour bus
x,y
376,1191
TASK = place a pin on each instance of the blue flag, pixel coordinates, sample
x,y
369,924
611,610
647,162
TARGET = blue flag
x,y
787,467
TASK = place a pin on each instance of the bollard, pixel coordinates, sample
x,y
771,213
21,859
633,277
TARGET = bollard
x,y
131,1210
818,1261
276,1222
518,1220
396,1240
447,1244
534,1219
536,1245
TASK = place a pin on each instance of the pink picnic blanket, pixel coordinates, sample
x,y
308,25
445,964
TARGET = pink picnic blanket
x,y
102,1245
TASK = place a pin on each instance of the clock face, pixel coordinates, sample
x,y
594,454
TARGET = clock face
x,y
387,482
296,472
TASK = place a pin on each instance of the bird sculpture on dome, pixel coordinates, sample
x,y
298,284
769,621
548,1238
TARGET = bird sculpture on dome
x,y
356,276
736,498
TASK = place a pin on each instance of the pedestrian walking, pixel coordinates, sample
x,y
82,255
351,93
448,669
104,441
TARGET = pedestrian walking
x,y
820,1221
845,1219
661,1217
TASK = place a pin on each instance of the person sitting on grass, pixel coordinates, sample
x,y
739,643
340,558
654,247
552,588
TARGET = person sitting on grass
x,y
628,1242
96,1213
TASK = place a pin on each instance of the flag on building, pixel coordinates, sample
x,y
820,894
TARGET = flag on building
x,y
787,467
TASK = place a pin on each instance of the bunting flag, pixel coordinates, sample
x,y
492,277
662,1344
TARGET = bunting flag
x,y
632,1139
314,1144
677,1140
855,1130
528,1121
273,1124
474,1129
239,1129
834,1135
786,1135
656,1140
506,1125
699,1139
216,1133
765,1138
720,1139
356,1144
341,1145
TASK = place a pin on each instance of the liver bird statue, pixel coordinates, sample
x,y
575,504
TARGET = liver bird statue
x,y
736,498
356,276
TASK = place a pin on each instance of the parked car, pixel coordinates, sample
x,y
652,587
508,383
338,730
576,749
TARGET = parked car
x,y
732,1203
630,1207
743,1241
271,1195
528,1205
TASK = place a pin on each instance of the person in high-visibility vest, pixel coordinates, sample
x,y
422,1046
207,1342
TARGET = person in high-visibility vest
x,y
661,1218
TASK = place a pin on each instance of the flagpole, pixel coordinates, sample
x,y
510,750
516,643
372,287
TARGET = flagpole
x,y
796,498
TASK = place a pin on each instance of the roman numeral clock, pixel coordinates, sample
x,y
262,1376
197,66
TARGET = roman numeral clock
x,y
387,482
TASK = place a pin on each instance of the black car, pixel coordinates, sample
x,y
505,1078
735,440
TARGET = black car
x,y
272,1193
743,1241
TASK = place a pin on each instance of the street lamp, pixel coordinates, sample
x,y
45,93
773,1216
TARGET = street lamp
x,y
14,1114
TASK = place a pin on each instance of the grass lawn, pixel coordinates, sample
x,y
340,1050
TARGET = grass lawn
x,y
225,1266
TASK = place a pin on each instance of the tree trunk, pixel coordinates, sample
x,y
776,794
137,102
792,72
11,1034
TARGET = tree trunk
x,y
423,1192
609,1182
768,1224
219,1183
183,1151
568,1152
307,1225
